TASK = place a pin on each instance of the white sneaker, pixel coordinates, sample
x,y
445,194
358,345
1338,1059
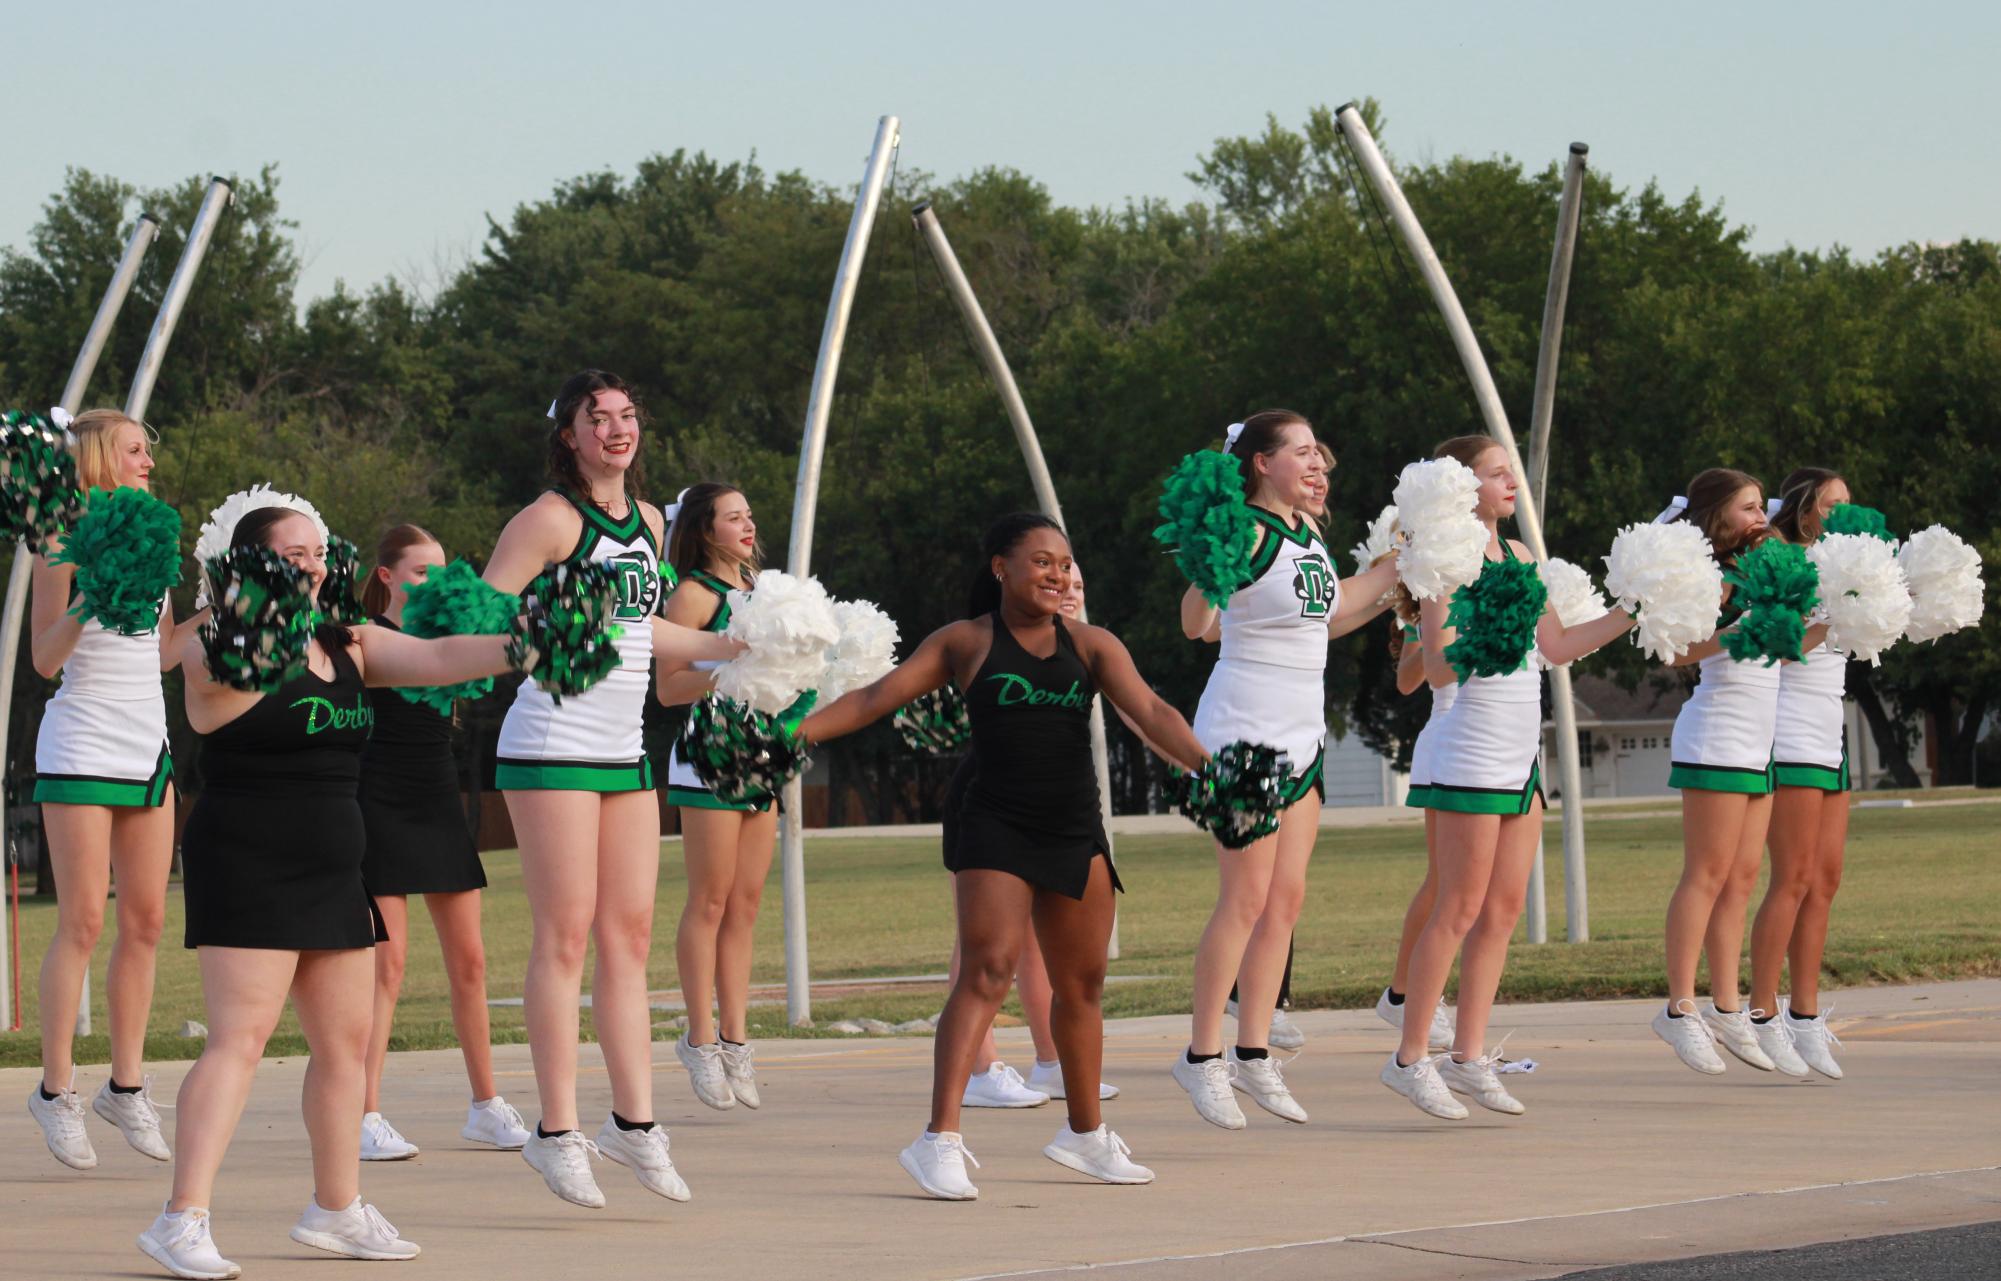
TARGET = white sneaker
x,y
1815,1041
1775,1038
564,1162
1475,1078
1441,1034
1208,1084
494,1121
1420,1083
61,1119
357,1231
381,1142
742,1077
135,1116
1283,1034
1262,1080
644,1152
1048,1078
1100,1154
1000,1086
181,1244
705,1072
938,1163
1690,1037
1733,1032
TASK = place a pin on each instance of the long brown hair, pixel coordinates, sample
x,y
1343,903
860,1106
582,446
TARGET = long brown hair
x,y
1709,495
389,550
688,541
580,390
1262,434
1798,518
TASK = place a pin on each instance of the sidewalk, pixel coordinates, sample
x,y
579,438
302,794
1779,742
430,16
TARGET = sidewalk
x,y
1624,1156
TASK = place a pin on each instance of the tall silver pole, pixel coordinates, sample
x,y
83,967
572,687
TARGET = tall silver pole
x,y
990,355
144,232
799,557
1576,891
218,199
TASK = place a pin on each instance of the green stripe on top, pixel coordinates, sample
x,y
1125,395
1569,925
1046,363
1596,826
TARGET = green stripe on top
x,y
722,590
1301,534
631,529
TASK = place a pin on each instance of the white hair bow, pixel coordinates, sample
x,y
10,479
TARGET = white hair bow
x,y
1772,506
61,419
1230,435
673,509
1673,510
552,409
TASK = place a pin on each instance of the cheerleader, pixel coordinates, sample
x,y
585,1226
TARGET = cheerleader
x,y
579,789
1267,687
727,845
1809,825
1031,843
276,906
1484,788
420,843
1722,762
104,780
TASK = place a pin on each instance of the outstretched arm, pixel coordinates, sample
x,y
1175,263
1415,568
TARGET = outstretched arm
x,y
931,667
391,658
1363,597
1561,645
1150,716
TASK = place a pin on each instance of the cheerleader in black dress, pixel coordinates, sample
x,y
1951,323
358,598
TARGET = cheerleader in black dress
x,y
419,842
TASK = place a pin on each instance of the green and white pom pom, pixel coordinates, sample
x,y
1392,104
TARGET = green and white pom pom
x,y
1495,616
39,497
127,551
1776,587
935,724
741,754
339,602
261,619
1238,796
1851,518
562,634
453,600
1208,524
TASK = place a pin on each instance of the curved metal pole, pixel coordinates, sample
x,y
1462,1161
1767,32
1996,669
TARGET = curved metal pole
x,y
799,556
219,198
995,361
144,232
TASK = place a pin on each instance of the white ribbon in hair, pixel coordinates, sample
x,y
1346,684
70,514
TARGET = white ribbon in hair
x,y
673,509
1672,511
1772,506
552,409
1230,435
61,419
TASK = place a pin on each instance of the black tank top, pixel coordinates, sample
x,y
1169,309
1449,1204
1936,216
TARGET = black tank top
x,y
1031,721
410,747
306,737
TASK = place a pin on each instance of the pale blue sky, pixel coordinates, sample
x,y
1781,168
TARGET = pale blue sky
x,y
397,127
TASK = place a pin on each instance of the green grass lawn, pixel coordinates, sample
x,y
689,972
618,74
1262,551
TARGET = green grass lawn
x,y
1921,900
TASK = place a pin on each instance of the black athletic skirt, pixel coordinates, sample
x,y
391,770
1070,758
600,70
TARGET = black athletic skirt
x,y
277,872
418,839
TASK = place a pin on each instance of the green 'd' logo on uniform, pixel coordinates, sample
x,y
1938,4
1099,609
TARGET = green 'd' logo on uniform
x,y
638,586
1314,585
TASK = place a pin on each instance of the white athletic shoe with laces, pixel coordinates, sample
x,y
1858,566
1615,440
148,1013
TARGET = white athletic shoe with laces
x,y
1208,1085
740,1074
381,1142
1101,1154
1815,1041
1441,1033
1262,1080
1048,1078
938,1163
564,1162
1775,1038
1283,1034
705,1072
1000,1086
494,1121
1419,1082
1733,1031
181,1244
644,1152
357,1231
1476,1079
61,1119
1690,1038
135,1116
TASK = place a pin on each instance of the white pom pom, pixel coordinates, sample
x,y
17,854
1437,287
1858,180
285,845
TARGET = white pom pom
x,y
1571,593
1666,575
1946,590
1863,595
1380,542
865,652
1447,545
220,526
789,625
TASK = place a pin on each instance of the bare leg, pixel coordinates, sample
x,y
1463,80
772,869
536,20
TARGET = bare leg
x,y
1074,935
1485,953
1810,929
628,878
1419,910
331,992
1467,844
993,920
243,990
1269,949
79,844
1031,984
390,958
988,1052
756,839
710,840
456,918
1794,838
1244,878
558,832
1724,939
1711,826
142,854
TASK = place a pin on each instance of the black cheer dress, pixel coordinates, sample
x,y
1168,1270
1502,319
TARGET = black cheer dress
x,y
272,850
418,838
1031,807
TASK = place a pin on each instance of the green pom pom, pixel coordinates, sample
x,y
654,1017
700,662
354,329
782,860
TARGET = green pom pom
x,y
562,635
454,601
256,634
1238,795
127,551
1848,518
38,492
1496,616
1776,586
1208,524
936,724
338,600
741,754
